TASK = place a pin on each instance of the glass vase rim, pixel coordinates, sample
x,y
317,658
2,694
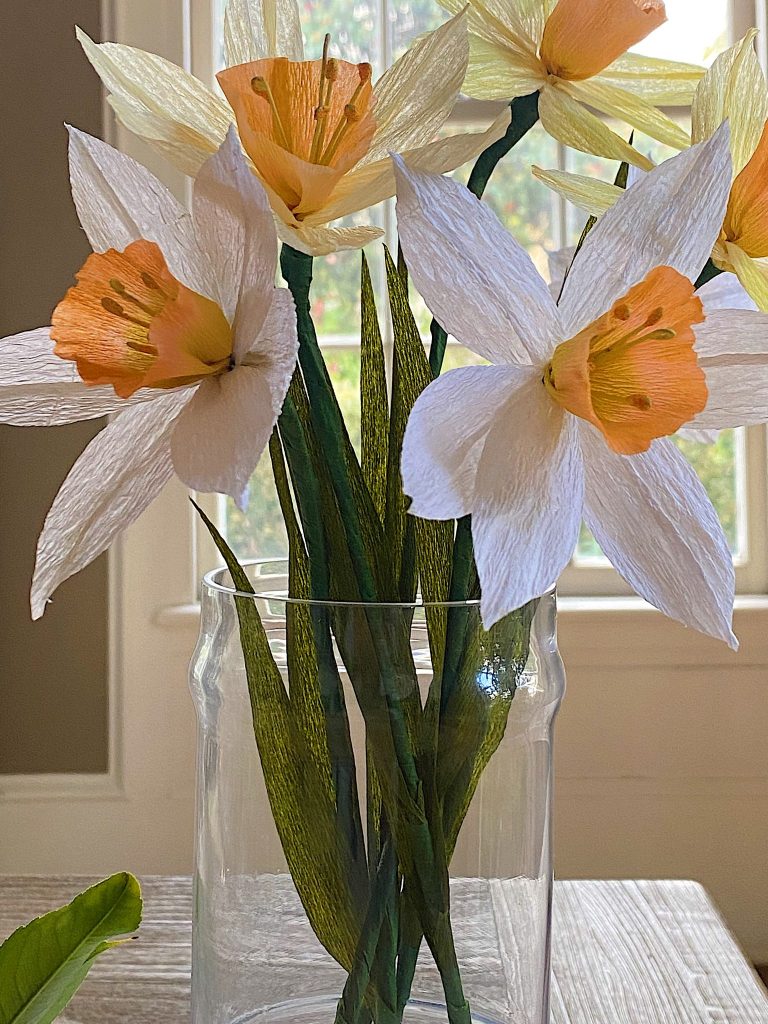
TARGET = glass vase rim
x,y
211,582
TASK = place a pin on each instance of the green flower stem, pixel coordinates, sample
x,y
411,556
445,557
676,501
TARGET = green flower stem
x,y
525,114
415,841
709,272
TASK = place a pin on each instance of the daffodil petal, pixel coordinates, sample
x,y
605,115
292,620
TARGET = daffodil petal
x,y
440,224
220,435
415,96
255,29
184,148
734,88
732,346
163,88
497,20
671,217
631,109
753,274
118,201
235,227
497,73
588,194
528,501
374,183
274,347
118,475
39,389
652,518
570,123
725,292
445,435
320,241
658,81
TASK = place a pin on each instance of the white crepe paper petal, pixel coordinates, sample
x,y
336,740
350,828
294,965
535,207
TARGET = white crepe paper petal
x,y
445,435
275,349
235,227
118,475
725,292
672,217
468,267
38,389
732,346
219,437
652,518
118,201
255,29
527,511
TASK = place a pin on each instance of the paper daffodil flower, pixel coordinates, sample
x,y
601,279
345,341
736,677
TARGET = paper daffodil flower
x,y
318,133
733,88
572,420
175,324
573,52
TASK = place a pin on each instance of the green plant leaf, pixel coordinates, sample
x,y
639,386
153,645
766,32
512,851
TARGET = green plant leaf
x,y
44,963
331,884
374,414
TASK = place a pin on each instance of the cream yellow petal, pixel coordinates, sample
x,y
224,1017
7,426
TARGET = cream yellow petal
x,y
733,88
254,29
570,123
164,89
494,21
376,182
753,275
179,144
631,109
663,82
320,241
588,194
495,73
416,95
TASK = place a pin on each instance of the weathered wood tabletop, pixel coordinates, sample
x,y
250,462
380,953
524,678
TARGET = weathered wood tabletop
x,y
624,953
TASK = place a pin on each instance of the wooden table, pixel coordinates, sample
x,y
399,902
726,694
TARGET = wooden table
x,y
624,953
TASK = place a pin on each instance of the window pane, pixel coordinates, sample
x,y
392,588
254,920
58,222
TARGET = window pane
x,y
695,32
721,469
408,19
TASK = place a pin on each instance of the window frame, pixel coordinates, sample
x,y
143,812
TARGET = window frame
x,y
579,579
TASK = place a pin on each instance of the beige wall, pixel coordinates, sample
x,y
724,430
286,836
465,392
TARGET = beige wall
x,y
53,694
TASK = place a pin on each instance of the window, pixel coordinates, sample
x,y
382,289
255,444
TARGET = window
x,y
732,468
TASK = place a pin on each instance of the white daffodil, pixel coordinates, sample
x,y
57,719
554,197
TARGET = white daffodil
x,y
733,88
574,54
176,324
318,133
572,419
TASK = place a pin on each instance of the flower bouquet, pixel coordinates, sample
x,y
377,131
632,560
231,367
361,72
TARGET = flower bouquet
x,y
376,710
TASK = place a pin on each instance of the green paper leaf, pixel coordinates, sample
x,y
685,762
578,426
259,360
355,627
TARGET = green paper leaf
x,y
374,424
44,963
331,884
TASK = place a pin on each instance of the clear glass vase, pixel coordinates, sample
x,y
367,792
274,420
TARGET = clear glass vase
x,y
373,810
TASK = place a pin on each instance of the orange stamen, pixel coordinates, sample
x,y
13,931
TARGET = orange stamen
x,y
582,37
160,334
633,373
313,124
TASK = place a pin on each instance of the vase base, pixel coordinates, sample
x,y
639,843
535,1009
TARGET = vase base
x,y
322,1010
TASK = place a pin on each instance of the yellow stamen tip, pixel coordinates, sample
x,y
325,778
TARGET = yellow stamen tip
x,y
332,70
622,311
641,402
112,307
365,71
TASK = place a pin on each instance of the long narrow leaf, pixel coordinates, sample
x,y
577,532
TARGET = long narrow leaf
x,y
330,884
374,414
